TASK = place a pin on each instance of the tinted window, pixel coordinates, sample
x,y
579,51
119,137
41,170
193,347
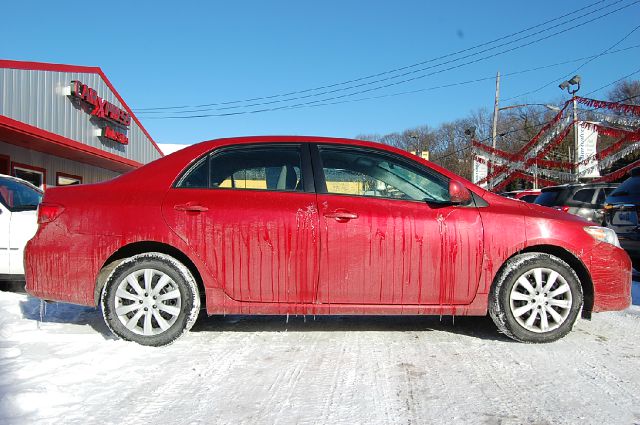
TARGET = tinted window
x,y
198,176
548,198
18,196
630,187
362,172
529,198
584,195
601,197
260,168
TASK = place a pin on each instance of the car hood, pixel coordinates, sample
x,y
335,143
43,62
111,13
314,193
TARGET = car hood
x,y
531,210
552,213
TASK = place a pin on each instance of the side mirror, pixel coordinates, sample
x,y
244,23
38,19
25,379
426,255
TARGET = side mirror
x,y
458,194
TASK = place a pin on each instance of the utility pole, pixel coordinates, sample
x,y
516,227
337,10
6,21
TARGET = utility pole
x,y
574,81
494,129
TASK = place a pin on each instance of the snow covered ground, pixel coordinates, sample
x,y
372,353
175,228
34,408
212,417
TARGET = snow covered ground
x,y
340,370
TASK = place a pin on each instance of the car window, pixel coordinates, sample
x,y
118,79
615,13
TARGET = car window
x,y
548,198
529,198
18,196
257,168
584,195
362,172
601,197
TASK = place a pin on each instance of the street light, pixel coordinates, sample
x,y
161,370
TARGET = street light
x,y
418,144
567,85
574,81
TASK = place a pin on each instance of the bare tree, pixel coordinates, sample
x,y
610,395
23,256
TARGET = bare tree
x,y
626,91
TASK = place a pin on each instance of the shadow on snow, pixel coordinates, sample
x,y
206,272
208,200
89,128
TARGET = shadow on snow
x,y
477,327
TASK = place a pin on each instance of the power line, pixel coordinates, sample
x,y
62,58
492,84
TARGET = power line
x,y
405,74
325,102
389,84
409,66
461,83
578,68
616,81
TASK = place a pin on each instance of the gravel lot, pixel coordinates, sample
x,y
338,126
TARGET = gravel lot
x,y
346,370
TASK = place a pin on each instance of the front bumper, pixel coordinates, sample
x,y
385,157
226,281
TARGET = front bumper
x,y
611,276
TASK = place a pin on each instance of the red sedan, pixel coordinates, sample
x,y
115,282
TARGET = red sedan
x,y
310,225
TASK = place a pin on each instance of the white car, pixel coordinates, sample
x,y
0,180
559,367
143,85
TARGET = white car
x,y
19,202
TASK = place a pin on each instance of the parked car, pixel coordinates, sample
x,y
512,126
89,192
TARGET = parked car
x,y
310,225
18,223
582,199
527,195
621,214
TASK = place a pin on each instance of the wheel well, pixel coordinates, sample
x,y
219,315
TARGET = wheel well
x,y
140,248
576,264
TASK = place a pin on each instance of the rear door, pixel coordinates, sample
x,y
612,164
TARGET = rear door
x,y
249,212
388,235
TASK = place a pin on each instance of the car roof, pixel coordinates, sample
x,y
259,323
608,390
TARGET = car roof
x,y
577,185
163,169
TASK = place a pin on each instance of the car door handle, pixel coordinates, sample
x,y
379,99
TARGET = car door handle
x,y
190,207
341,216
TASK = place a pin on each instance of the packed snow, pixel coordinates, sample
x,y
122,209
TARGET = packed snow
x,y
68,369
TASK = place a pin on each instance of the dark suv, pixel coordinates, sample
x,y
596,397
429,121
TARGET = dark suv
x,y
621,213
583,199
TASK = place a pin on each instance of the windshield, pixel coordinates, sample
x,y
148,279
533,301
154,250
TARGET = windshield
x,y
19,196
630,187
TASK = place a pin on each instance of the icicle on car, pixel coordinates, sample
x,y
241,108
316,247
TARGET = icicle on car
x,y
311,225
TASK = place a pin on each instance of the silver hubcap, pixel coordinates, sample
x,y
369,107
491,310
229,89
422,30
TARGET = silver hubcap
x,y
540,300
148,302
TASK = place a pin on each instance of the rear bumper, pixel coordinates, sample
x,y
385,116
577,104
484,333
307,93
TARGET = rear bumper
x,y
611,276
61,266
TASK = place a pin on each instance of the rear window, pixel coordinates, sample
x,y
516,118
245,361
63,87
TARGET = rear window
x,y
584,195
549,198
529,198
630,187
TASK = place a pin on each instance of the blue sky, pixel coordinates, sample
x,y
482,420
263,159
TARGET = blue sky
x,y
160,54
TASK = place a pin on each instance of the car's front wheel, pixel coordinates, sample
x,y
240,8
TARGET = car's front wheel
x,y
150,299
535,298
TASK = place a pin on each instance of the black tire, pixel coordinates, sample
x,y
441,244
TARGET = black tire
x,y
158,316
512,304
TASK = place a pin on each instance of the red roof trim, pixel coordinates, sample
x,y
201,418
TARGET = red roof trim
x,y
21,127
41,66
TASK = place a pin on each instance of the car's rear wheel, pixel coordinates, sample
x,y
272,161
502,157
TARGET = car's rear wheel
x,y
535,298
150,299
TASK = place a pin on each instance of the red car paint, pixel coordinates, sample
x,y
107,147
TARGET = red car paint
x,y
263,252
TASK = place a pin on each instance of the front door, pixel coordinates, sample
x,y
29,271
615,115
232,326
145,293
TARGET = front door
x,y
250,214
5,221
18,222
388,234
24,225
